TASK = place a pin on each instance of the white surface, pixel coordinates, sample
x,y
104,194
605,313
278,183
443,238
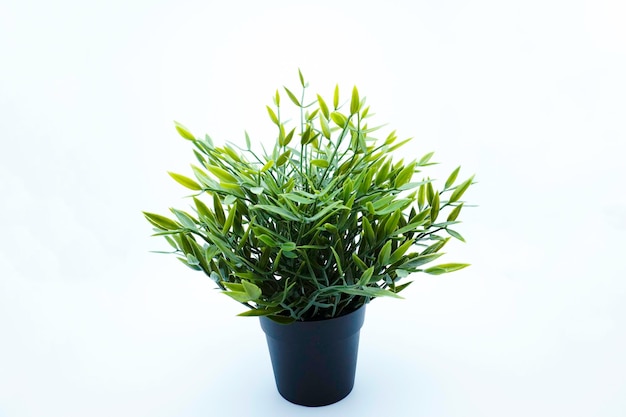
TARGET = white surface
x,y
530,96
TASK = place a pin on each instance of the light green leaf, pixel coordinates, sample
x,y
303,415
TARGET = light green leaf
x,y
354,102
455,213
292,97
185,181
222,174
460,189
182,131
257,190
366,277
161,222
452,178
336,97
434,207
339,119
445,268
321,163
323,106
368,292
285,214
252,290
272,115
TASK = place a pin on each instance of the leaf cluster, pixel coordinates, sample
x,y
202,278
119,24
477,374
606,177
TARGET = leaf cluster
x,y
320,225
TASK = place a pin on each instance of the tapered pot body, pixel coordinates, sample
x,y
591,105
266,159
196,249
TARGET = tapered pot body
x,y
314,362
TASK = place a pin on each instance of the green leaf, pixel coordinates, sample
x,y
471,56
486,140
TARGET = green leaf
x,y
455,234
277,99
161,222
434,207
283,158
298,198
222,174
324,126
444,268
339,119
425,158
292,97
252,290
421,196
368,292
301,78
186,220
452,178
336,97
399,253
257,312
288,246
185,181
268,240
257,190
401,287
269,164
366,277
455,213
323,106
182,131
362,266
460,189
248,145
272,115
405,175
354,102
385,253
419,261
229,221
242,297
321,163
285,214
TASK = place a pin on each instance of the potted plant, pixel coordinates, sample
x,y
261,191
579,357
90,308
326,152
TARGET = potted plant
x,y
306,234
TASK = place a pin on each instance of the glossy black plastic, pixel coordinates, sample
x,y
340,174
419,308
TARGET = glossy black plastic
x,y
314,362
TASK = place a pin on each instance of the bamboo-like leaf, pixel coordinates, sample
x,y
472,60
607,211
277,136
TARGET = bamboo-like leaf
x,y
434,208
452,178
368,292
242,297
222,174
185,219
358,262
399,253
268,165
455,234
384,254
336,97
366,277
257,312
185,181
324,126
444,268
323,106
277,99
320,163
183,131
292,97
252,290
285,214
425,159
161,222
354,102
420,260
268,240
405,175
421,196
229,220
339,119
454,213
459,190
257,190
301,78
283,158
272,115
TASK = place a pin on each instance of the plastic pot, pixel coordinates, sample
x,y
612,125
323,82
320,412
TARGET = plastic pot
x,y
314,362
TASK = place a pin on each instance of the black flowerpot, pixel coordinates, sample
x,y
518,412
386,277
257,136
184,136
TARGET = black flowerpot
x,y
314,362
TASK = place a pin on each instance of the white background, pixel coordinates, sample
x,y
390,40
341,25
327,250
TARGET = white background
x,y
530,96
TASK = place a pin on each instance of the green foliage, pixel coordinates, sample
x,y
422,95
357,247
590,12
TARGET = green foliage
x,y
317,227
